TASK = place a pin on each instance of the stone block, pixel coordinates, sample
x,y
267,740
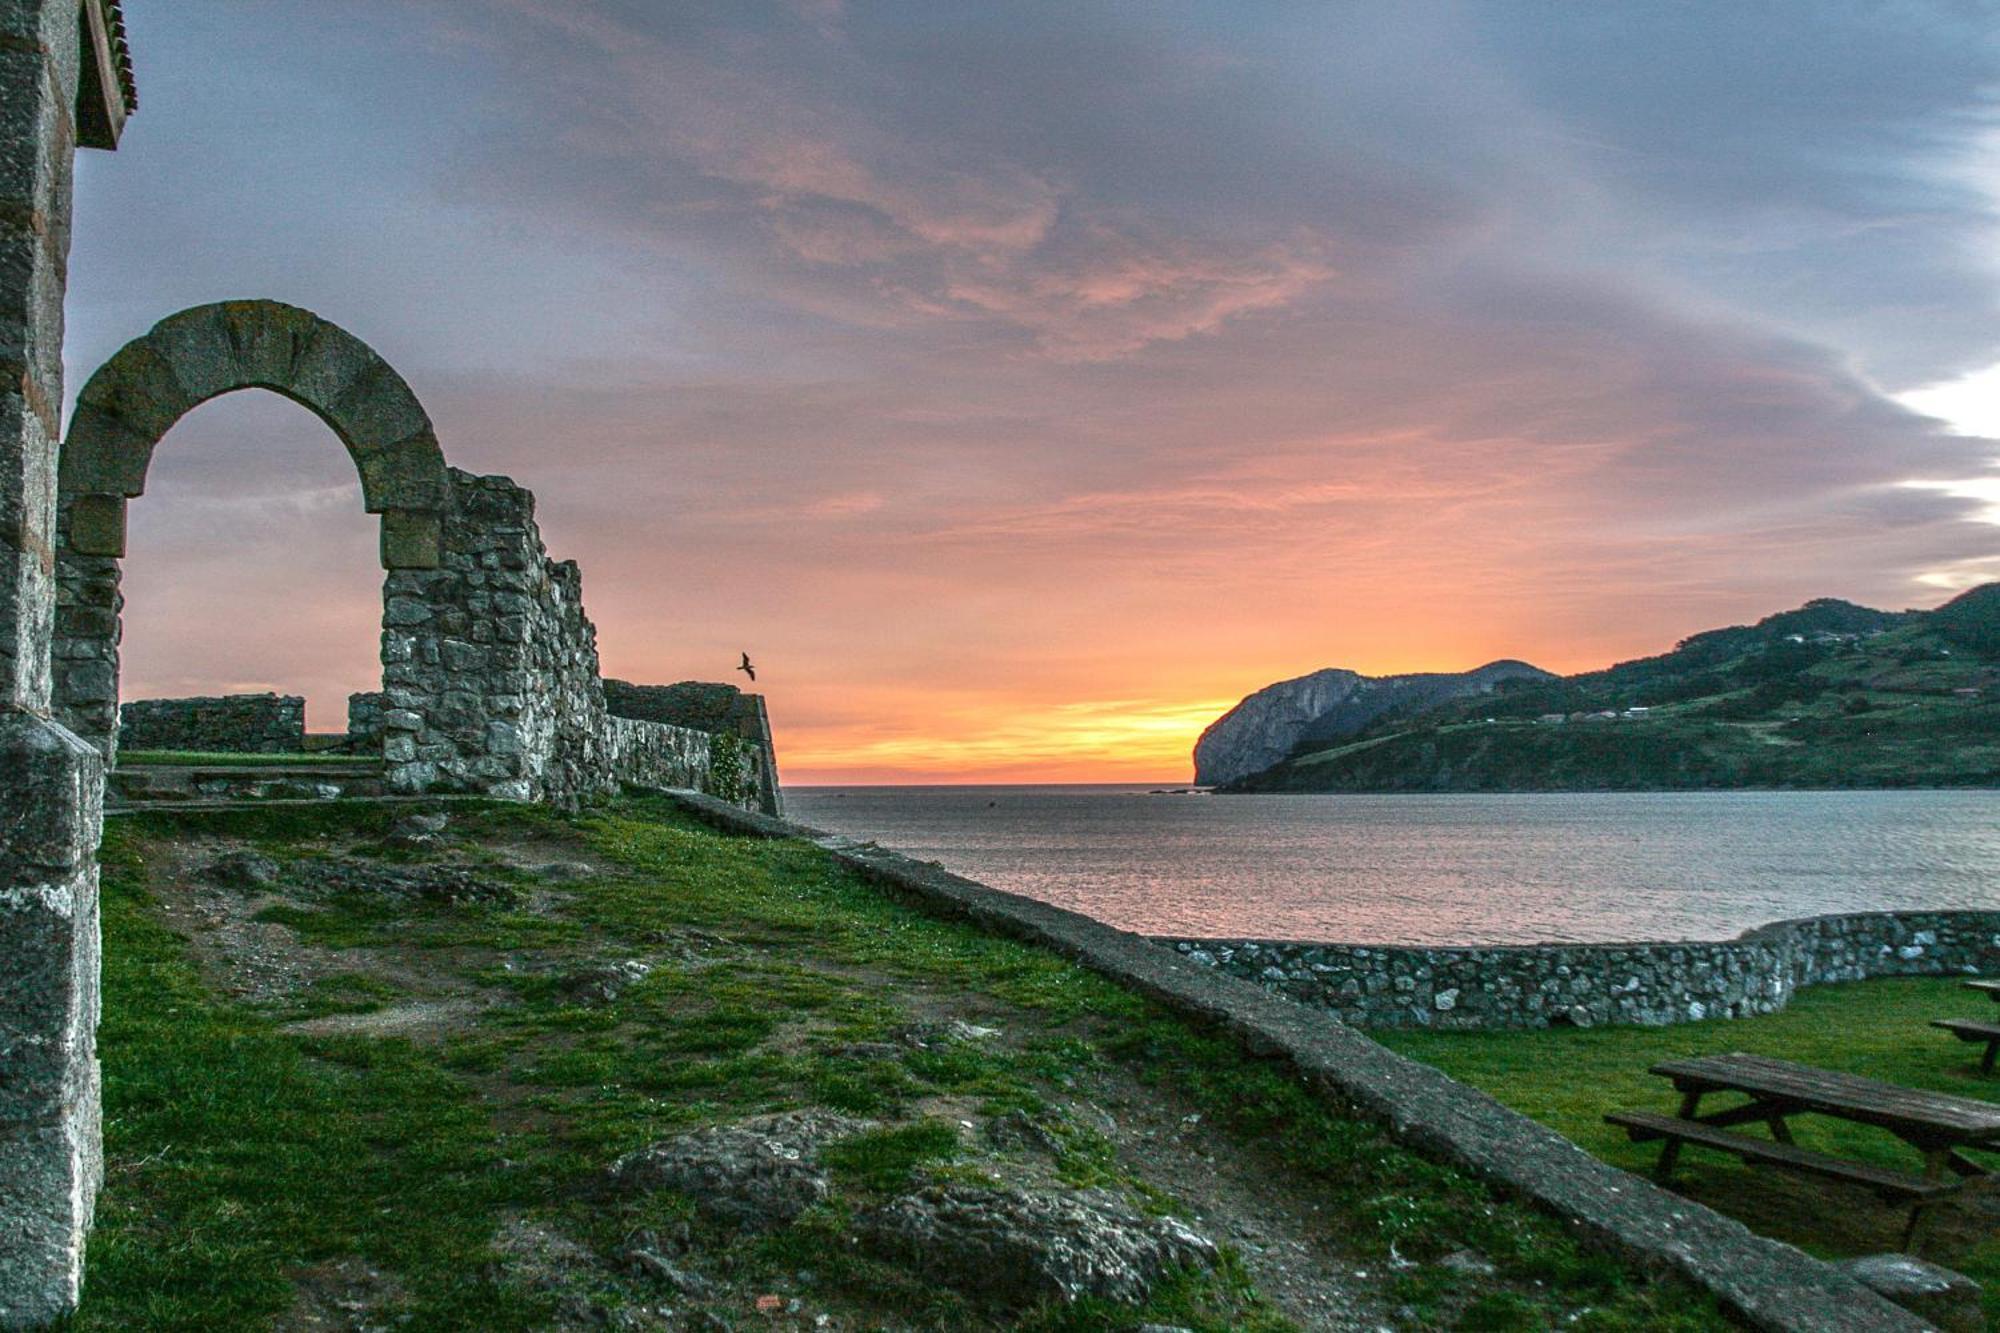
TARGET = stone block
x,y
404,611
50,1171
140,392
53,782
411,539
198,345
1946,1298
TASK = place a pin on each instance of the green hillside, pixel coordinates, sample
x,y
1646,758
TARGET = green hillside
x,y
1828,695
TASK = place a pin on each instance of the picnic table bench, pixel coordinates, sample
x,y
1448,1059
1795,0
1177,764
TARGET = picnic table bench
x,y
1971,1029
1936,1124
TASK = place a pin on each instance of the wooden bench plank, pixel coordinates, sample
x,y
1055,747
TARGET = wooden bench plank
x,y
1991,988
1971,1029
1968,1029
1644,1126
1908,1112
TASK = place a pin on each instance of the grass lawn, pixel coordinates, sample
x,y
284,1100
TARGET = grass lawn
x,y
1568,1079
283,1147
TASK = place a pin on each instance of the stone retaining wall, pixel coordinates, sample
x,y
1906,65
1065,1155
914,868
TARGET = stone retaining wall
x,y
1586,984
230,724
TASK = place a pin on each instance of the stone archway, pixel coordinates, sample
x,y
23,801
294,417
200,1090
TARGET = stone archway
x,y
153,381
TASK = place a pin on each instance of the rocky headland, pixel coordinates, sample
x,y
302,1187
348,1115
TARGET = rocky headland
x,y
1328,706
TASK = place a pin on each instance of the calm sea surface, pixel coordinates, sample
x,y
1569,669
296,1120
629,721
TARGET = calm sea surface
x,y
1441,869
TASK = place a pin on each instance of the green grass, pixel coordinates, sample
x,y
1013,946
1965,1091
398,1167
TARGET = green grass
x,y
234,1157
883,1161
1876,1028
245,1158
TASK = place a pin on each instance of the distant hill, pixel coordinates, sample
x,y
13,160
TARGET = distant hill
x,y
1328,706
1828,695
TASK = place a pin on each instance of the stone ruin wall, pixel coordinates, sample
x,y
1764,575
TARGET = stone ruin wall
x,y
229,724
721,710
490,672
489,664
56,94
364,721
1539,985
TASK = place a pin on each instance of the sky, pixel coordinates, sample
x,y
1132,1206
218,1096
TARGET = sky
x,y
1022,384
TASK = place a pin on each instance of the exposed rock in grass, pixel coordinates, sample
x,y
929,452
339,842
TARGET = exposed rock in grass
x,y
925,1036
601,983
454,885
1022,1247
242,869
564,872
758,1174
650,1264
1948,1299
418,831
1016,1130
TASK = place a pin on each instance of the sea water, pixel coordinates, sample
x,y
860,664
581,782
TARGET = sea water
x,y
1449,869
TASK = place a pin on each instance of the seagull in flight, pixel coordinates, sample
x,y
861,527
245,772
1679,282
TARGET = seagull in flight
x,y
747,669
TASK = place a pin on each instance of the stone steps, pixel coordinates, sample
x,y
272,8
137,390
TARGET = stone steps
x,y
157,784
280,803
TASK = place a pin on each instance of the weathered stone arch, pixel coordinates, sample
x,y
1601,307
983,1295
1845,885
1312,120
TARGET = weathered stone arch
x,y
155,380
202,353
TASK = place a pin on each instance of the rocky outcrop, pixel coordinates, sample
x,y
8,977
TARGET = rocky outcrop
x,y
1326,706
758,1174
1021,1247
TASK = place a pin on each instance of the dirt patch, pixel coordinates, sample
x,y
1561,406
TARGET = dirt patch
x,y
1291,1247
346,1295
414,1019
260,962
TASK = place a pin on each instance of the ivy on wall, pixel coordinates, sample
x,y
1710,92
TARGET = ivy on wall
x,y
728,768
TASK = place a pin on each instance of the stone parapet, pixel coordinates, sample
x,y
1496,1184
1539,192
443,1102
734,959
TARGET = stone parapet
x,y
1582,985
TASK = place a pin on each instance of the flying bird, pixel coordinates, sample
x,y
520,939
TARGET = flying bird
x,y
747,669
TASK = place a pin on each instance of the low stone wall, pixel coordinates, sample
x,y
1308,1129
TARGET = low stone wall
x,y
230,724
1587,984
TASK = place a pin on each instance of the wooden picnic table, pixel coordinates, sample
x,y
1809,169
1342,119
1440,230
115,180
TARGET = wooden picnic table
x,y
1991,988
1939,1126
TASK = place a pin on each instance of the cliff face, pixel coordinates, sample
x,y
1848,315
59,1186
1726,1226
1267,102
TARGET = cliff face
x,y
1326,706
